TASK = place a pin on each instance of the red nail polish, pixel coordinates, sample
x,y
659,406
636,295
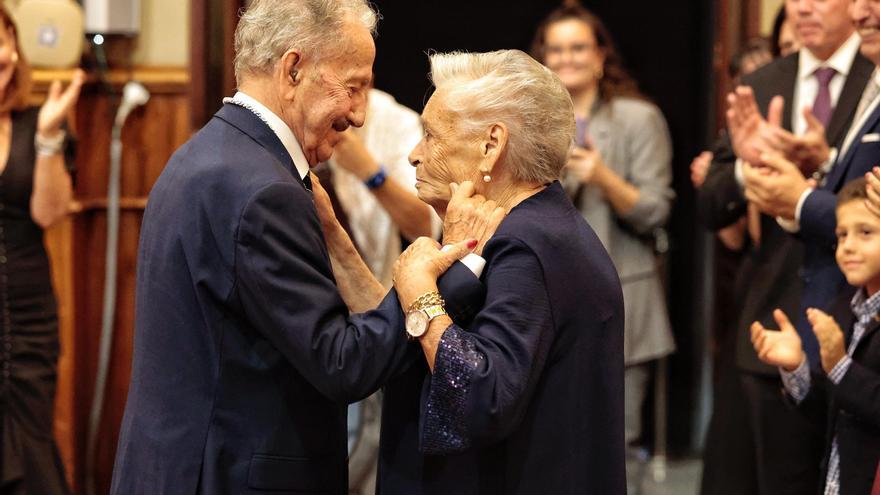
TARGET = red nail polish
x,y
472,244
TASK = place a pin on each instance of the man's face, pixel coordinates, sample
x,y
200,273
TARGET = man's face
x,y
443,155
866,18
858,245
332,95
821,25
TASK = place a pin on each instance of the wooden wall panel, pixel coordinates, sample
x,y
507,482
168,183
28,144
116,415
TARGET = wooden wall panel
x,y
77,250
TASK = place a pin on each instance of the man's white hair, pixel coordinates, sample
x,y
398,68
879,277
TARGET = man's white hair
x,y
269,28
512,88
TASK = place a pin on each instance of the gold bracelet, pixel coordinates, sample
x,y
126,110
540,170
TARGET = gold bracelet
x,y
427,299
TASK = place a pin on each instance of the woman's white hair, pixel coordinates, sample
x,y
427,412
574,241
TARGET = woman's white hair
x,y
268,28
512,88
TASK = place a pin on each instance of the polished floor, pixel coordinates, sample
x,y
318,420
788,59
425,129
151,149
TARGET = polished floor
x,y
680,477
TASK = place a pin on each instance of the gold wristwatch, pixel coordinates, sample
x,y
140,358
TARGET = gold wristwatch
x,y
427,307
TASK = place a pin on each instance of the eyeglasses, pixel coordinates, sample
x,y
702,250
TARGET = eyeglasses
x,y
575,49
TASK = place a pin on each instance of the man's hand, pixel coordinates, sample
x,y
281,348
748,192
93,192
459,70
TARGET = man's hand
x,y
873,201
831,341
750,134
351,154
776,186
778,348
700,167
809,151
470,216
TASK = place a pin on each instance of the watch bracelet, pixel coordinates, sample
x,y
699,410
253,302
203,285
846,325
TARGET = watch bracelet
x,y
427,299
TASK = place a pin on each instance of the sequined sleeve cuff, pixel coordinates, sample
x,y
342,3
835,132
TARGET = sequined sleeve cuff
x,y
444,428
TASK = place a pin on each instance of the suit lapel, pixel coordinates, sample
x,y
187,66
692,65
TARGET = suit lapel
x,y
872,327
247,122
838,172
855,83
788,73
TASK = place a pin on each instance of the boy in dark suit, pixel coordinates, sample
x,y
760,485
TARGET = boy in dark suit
x,y
849,389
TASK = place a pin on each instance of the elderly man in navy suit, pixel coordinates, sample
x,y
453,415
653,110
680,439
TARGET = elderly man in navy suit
x,y
245,355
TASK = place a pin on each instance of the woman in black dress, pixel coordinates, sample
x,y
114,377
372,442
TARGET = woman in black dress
x,y
35,191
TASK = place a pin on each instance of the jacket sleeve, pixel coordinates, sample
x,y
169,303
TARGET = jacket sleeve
x,y
858,393
484,376
818,220
650,170
286,291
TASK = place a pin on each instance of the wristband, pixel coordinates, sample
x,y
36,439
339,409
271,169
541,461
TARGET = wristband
x,y
49,146
377,179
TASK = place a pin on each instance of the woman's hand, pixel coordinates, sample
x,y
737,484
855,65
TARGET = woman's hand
x,y
583,163
831,342
470,216
416,270
322,203
782,348
58,105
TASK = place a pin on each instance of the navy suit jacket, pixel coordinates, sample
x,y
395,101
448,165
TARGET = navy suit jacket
x,y
245,356
823,281
527,396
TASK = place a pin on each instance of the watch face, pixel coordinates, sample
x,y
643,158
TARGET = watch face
x,y
416,323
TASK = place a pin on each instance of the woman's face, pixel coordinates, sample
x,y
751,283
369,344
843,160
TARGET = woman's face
x,y
8,57
443,155
571,52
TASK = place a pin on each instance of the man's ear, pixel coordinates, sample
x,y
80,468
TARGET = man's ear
x,y
290,74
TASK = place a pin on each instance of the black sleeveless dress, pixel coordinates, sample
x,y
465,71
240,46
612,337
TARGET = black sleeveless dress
x,y
29,348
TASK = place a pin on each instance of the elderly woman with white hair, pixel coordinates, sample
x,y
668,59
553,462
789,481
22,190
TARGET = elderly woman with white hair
x,y
525,395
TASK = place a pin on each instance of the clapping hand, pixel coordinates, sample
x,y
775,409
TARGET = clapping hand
x,y
470,216
776,186
750,134
700,167
583,163
873,201
778,348
58,104
831,341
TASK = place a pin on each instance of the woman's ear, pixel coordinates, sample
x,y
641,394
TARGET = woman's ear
x,y
495,141
491,148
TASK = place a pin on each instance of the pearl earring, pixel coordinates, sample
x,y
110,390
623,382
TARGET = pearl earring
x,y
487,178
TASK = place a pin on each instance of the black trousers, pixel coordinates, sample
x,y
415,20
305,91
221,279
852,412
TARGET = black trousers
x,y
756,443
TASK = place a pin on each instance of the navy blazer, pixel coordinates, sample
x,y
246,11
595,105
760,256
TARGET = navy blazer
x,y
526,397
245,356
823,281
